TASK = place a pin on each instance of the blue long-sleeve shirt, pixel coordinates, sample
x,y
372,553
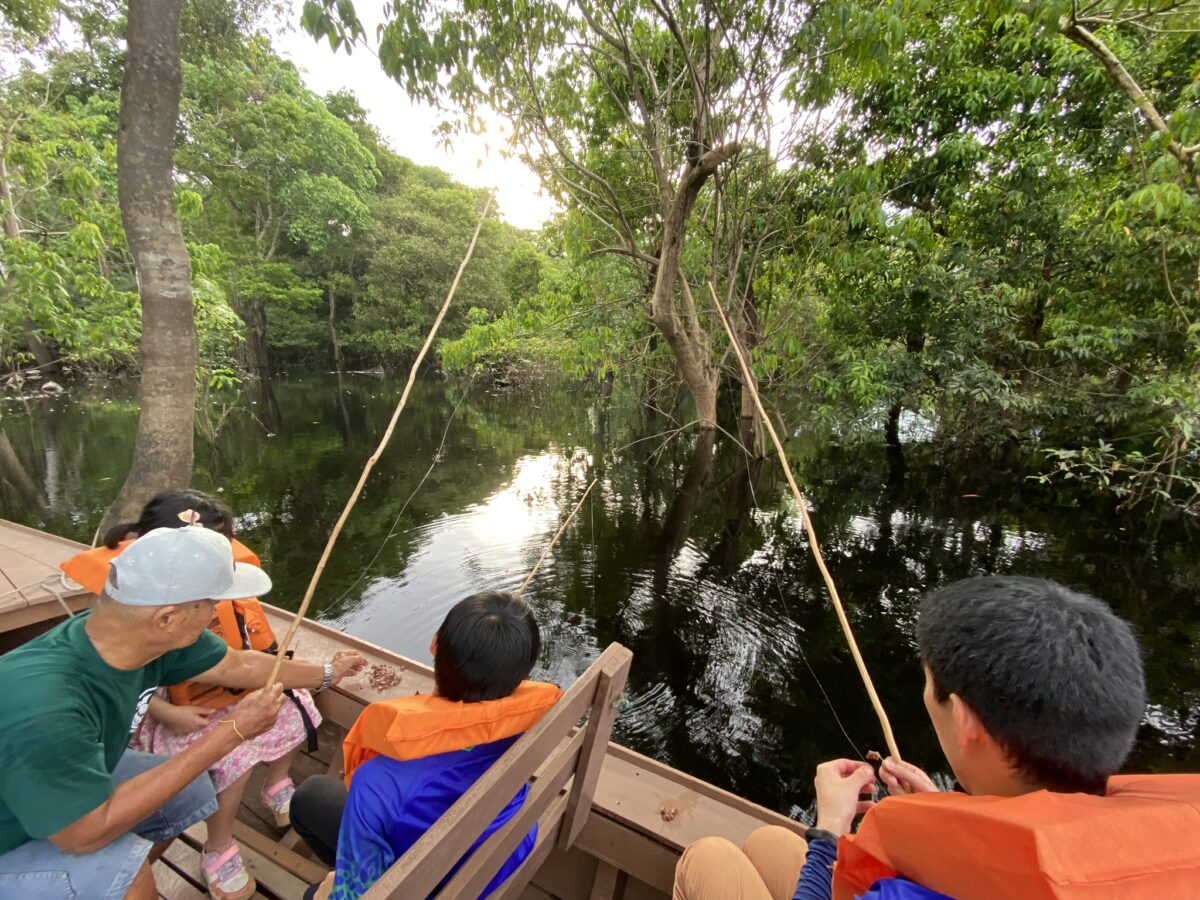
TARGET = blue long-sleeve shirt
x,y
391,804
816,880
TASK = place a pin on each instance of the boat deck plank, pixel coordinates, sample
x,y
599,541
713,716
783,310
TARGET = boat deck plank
x,y
28,560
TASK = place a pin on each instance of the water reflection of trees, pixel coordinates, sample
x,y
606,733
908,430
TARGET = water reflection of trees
x,y
742,674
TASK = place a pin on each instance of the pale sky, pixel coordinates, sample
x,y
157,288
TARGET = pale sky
x,y
409,127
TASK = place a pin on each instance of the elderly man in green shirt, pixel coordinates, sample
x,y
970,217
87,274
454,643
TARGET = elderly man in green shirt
x,y
79,812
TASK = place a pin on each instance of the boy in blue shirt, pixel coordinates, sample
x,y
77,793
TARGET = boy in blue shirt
x,y
483,651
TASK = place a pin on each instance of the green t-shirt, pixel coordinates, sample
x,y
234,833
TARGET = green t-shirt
x,y
66,718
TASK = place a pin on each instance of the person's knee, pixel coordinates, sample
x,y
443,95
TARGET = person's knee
x,y
777,854
705,868
142,887
318,799
199,792
316,813
771,841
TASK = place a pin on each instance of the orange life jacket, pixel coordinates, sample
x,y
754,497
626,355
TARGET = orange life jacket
x,y
241,623
1139,842
424,724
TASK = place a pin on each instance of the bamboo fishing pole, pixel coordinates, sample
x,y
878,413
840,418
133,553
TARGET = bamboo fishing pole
x,y
387,436
813,544
537,565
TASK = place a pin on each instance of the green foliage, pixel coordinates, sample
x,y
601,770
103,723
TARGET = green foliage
x,y
69,281
572,323
990,250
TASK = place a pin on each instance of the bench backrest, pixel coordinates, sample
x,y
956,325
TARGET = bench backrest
x,y
561,761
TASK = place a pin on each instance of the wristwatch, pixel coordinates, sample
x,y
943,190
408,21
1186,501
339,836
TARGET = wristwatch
x,y
819,834
328,679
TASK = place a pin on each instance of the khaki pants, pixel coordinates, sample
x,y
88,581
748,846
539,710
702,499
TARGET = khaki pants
x,y
766,868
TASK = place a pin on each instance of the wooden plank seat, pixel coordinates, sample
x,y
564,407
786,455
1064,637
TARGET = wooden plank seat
x,y
626,828
560,760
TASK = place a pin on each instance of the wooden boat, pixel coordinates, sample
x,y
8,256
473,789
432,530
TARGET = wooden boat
x,y
612,822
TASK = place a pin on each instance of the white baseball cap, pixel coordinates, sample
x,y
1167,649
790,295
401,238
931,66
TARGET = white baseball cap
x,y
182,565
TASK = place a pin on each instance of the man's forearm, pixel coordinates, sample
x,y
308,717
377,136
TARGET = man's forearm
x,y
135,799
253,669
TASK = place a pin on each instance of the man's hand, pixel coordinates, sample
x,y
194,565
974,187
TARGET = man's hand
x,y
346,664
840,785
904,778
185,719
258,711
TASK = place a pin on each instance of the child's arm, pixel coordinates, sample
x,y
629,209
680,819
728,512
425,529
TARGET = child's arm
x,y
180,719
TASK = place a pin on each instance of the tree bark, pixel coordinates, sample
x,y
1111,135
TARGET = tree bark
x,y
162,453
12,471
254,354
751,428
687,339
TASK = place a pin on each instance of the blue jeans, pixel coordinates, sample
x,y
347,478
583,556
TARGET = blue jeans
x,y
39,870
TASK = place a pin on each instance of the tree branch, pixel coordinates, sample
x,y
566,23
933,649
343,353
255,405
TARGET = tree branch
x,y
1079,35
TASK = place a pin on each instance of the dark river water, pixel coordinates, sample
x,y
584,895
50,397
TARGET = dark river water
x,y
696,561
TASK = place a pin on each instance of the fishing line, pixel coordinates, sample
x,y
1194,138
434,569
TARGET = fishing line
x,y
395,522
570,518
294,627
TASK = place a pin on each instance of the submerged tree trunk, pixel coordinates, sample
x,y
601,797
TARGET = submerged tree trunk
x,y
162,453
253,353
13,471
897,465
678,522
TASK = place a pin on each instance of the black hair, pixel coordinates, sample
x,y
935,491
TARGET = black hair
x,y
1054,676
163,509
487,645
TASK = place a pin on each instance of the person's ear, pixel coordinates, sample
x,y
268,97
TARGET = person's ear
x,y
968,730
165,618
433,646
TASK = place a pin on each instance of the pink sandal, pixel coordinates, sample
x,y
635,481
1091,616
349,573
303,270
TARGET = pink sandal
x,y
278,799
226,876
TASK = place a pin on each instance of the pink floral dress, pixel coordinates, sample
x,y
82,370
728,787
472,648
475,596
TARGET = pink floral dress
x,y
286,734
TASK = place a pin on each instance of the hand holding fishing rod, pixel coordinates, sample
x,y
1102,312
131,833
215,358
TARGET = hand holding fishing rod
x,y
813,544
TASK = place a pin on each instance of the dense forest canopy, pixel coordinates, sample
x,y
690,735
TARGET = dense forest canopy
x,y
982,214
303,226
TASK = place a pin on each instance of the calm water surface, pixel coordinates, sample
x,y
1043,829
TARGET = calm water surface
x,y
690,557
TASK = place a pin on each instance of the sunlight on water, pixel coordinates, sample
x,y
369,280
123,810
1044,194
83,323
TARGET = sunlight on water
x,y
488,546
